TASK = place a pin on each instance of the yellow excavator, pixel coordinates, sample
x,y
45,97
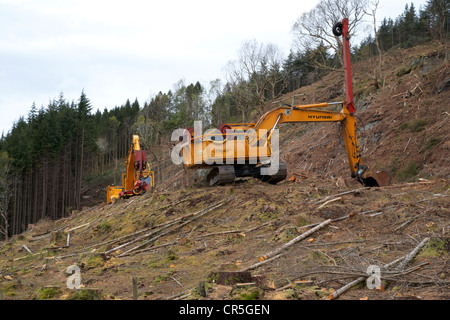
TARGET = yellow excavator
x,y
244,149
137,179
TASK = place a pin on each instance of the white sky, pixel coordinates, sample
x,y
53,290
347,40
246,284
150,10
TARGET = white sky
x,y
118,50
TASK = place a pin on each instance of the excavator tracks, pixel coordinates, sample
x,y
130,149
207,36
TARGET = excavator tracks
x,y
279,176
221,175
226,174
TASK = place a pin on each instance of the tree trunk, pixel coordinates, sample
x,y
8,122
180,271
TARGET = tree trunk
x,y
81,169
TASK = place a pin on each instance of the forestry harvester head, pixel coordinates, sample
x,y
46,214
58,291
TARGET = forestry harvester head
x,y
360,172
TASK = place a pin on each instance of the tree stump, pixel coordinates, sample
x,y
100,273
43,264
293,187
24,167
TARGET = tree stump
x,y
231,277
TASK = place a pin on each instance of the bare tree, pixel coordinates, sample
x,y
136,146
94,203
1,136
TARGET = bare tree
x,y
439,11
256,77
372,11
315,27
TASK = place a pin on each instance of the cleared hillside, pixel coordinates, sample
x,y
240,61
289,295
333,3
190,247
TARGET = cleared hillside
x,y
170,243
196,243
403,125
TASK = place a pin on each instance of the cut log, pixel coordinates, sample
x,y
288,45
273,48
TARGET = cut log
x,y
26,248
329,201
412,254
403,262
275,254
194,216
343,289
164,226
258,264
295,240
68,239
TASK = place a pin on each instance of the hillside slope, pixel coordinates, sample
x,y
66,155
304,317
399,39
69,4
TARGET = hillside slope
x,y
196,243
403,126
171,244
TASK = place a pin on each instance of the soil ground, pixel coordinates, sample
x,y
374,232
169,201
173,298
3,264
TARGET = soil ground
x,y
383,224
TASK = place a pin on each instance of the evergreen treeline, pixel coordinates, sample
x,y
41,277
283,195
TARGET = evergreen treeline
x,y
51,151
411,28
46,156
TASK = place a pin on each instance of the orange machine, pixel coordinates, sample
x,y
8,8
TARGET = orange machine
x,y
235,150
138,177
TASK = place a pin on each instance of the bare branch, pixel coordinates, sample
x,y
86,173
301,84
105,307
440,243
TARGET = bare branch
x,y
315,27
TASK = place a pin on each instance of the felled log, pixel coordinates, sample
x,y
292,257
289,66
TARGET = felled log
x,y
295,240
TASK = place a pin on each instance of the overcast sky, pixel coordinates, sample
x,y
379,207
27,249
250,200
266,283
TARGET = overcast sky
x,y
119,50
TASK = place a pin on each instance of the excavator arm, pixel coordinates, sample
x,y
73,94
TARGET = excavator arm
x,y
309,113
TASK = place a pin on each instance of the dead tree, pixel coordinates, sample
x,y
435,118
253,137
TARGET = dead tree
x,y
372,12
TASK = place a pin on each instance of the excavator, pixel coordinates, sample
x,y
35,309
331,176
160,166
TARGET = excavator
x,y
246,149
137,179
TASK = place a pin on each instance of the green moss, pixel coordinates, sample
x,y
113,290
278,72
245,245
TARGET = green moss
x,y
254,295
85,294
436,248
396,289
415,125
9,288
408,173
103,227
163,277
171,256
201,290
288,234
213,277
157,262
300,222
267,215
94,261
320,293
153,263
430,143
48,293
403,126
